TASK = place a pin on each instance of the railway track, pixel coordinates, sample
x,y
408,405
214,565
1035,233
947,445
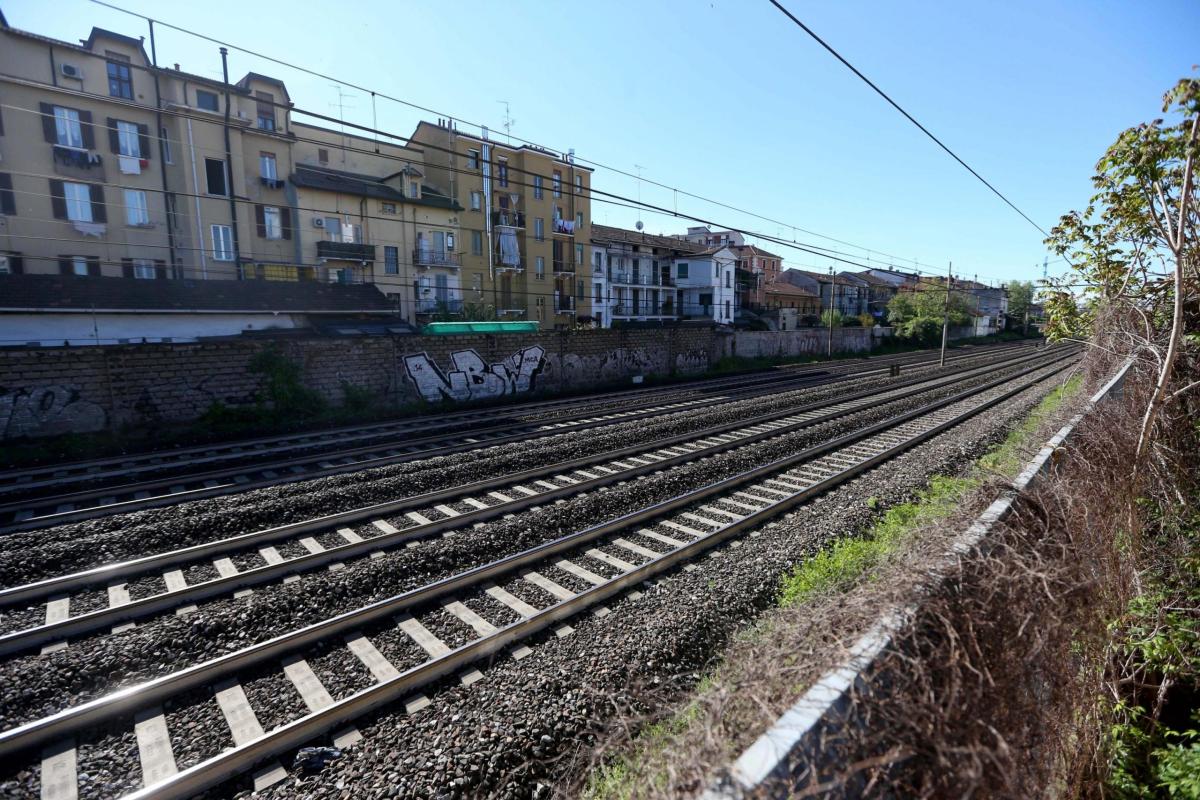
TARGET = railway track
x,y
498,607
241,562
43,497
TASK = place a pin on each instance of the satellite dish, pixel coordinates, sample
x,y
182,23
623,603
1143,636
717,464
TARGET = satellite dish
x,y
639,225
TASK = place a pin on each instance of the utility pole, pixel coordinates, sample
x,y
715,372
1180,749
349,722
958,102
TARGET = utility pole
x,y
832,289
946,314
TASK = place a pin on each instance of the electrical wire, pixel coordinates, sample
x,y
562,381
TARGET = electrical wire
x,y
454,118
897,106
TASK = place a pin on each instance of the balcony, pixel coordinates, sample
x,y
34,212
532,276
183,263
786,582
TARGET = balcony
x,y
436,258
564,268
435,306
643,310
564,226
564,304
345,251
271,183
641,279
509,219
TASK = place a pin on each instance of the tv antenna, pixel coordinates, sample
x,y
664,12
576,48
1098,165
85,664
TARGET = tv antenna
x,y
639,169
508,120
341,107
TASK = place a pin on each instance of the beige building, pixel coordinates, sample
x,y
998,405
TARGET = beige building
x,y
523,231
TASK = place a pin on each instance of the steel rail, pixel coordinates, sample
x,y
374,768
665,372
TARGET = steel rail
x,y
520,433
124,701
101,618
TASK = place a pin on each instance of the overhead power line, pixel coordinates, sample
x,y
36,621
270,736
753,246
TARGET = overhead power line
x,y
909,116
511,136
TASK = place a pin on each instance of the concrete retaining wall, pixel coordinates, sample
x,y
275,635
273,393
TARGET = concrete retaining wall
x,y
51,391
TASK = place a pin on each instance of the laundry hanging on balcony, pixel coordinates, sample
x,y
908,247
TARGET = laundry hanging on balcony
x,y
510,253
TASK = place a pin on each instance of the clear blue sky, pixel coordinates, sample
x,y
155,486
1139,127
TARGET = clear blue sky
x,y
729,100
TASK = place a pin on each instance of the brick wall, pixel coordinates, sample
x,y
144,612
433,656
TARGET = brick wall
x,y
50,391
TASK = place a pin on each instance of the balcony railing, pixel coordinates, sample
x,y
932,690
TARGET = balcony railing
x,y
643,310
642,279
511,219
565,226
435,306
345,251
564,267
564,304
436,258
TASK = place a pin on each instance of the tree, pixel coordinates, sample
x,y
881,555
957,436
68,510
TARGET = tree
x,y
838,318
1135,247
917,312
1020,298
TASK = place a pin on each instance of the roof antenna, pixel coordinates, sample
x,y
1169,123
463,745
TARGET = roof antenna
x,y
508,121
341,107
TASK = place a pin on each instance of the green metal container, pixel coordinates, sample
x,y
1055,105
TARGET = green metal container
x,y
459,328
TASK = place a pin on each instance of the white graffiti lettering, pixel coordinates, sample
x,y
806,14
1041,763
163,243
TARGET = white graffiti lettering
x,y
472,378
48,411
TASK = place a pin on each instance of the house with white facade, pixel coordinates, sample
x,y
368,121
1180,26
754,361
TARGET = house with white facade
x,y
707,289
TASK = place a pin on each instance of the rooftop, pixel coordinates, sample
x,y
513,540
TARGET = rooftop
x,y
605,233
331,180
47,293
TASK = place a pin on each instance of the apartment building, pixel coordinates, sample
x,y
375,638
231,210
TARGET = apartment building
x,y
525,220
756,269
705,235
847,294
368,214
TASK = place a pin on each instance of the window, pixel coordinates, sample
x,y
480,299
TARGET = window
x,y
267,167
414,190
272,225
579,223
222,243
596,292
144,268
323,155
477,283
120,82
127,140
214,170
502,171
166,145
539,267
73,265
136,212
79,201
8,200
391,260
476,243
578,184
727,309
539,229
681,271
598,260
579,255
537,187
265,106
727,278
207,100
388,208
472,159
67,127
579,289
476,201
556,183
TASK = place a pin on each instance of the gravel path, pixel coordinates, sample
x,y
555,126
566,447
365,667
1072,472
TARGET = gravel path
x,y
67,548
33,685
531,723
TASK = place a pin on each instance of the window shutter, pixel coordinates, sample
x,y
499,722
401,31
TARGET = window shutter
x,y
8,201
64,266
49,131
260,219
160,269
58,199
98,212
127,267
89,135
285,221
114,138
144,141
93,263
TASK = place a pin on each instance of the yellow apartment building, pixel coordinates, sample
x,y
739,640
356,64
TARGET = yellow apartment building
x,y
524,227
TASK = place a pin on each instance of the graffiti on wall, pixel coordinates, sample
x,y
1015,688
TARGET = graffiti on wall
x,y
472,378
48,411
